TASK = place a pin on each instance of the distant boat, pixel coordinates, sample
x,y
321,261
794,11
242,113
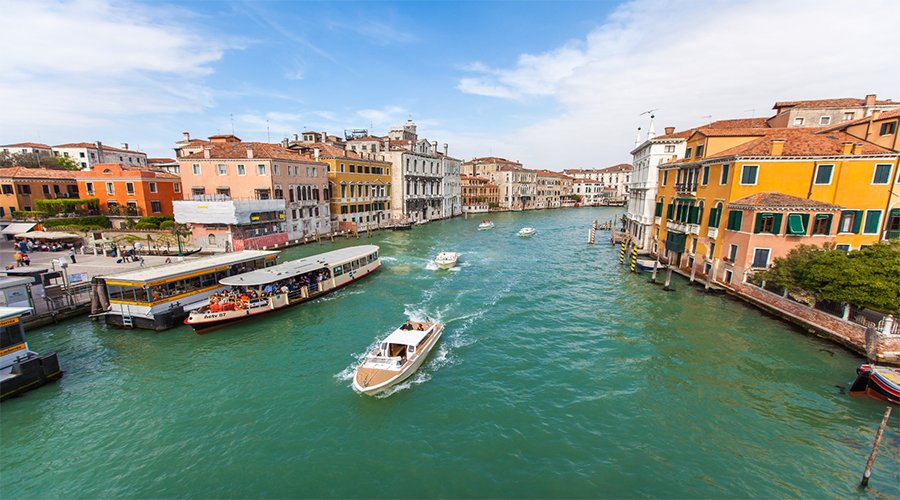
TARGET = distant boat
x,y
527,232
402,226
397,357
446,260
647,264
485,225
879,382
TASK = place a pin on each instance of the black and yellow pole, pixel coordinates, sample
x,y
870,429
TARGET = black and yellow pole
x,y
633,258
622,253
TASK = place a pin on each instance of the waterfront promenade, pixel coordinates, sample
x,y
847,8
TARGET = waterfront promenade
x,y
557,377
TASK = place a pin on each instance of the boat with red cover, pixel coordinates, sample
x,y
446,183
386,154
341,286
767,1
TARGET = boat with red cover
x,y
879,382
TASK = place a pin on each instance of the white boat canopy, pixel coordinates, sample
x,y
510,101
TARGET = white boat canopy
x,y
299,266
48,235
407,337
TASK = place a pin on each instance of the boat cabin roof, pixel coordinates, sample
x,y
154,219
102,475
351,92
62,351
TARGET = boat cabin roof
x,y
407,337
150,274
13,312
299,266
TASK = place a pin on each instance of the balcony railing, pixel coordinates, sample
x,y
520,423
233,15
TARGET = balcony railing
x,y
712,232
124,211
686,188
677,226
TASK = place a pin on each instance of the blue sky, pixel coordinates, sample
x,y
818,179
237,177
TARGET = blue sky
x,y
553,84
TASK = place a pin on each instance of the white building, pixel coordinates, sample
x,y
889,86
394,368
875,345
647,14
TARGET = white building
x,y
451,189
617,177
647,156
590,191
89,154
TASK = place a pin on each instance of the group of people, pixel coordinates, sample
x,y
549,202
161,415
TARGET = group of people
x,y
238,298
26,246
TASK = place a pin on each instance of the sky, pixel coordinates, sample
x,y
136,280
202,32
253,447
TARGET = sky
x,y
554,85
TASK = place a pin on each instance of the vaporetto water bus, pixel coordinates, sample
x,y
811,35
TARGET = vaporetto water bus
x,y
20,368
160,297
266,290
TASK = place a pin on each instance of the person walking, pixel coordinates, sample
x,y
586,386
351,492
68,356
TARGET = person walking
x,y
18,258
72,255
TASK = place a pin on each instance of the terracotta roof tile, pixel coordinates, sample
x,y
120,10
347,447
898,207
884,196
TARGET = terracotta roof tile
x,y
803,142
238,150
37,173
26,145
739,123
885,115
780,201
842,102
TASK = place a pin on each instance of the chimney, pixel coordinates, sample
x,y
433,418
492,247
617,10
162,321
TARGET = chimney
x,y
870,100
446,146
295,137
857,149
186,136
250,152
876,114
206,151
637,138
125,145
434,147
776,147
670,130
316,154
100,150
846,148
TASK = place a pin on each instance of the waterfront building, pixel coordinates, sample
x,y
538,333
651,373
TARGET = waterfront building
x,y
694,217
127,191
451,190
617,177
479,194
589,191
27,148
646,158
21,187
483,167
229,168
517,186
230,225
551,189
826,112
88,154
27,154
360,185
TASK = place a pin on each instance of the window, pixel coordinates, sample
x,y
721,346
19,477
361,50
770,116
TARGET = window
x,y
2,212
882,174
670,149
196,168
8,189
732,252
768,223
129,187
797,224
724,178
276,170
823,174
888,128
728,275
850,221
659,205
156,207
843,248
705,175
198,191
735,218
241,170
152,187
699,152
798,122
221,169
873,220
24,189
748,175
81,154
177,187
687,153
848,115
665,177
761,258
822,224
47,189
260,170
109,188
825,120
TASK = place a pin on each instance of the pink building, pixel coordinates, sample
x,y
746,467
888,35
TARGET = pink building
x,y
226,168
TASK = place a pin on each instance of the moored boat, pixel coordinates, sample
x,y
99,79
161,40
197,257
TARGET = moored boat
x,y
879,382
22,369
527,231
266,290
647,264
446,260
485,225
396,357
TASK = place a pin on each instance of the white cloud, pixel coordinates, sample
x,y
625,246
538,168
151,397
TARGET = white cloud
x,y
691,59
90,62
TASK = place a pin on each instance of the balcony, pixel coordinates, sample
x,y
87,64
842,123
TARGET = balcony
x,y
677,226
712,232
693,229
689,188
657,221
124,211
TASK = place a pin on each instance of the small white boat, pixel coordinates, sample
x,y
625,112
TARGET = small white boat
x,y
446,260
397,357
527,231
485,225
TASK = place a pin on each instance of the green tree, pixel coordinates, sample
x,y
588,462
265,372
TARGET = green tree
x,y
65,163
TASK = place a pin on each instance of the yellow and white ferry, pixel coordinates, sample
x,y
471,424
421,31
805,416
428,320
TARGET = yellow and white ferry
x,y
266,290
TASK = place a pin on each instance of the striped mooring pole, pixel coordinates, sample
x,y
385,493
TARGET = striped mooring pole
x,y
633,258
593,236
622,253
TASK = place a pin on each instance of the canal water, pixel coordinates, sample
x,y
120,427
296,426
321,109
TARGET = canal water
x,y
560,374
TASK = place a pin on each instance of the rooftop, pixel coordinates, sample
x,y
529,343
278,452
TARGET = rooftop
x,y
93,145
238,150
26,145
299,266
37,173
101,169
780,201
841,102
148,275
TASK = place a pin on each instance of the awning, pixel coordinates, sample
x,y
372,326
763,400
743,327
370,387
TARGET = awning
x,y
796,224
18,227
49,235
675,242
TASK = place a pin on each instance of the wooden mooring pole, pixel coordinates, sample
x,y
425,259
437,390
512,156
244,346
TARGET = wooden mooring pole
x,y
871,461
655,266
668,272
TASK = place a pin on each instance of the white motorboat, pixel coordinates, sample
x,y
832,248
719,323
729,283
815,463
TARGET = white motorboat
x,y
396,357
446,260
527,231
485,225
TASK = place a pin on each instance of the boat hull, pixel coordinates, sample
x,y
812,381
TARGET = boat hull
x,y
876,382
445,265
402,375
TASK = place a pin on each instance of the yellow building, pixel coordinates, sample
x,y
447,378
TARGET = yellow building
x,y
741,197
360,187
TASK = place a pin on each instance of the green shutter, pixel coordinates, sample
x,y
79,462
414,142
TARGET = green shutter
x,y
735,218
857,221
658,208
873,220
796,225
693,217
828,217
759,222
669,210
776,227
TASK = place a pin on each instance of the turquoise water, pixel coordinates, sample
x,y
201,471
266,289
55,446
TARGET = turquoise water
x,y
559,375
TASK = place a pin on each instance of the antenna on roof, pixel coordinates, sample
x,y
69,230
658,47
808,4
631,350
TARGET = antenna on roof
x,y
231,115
268,134
708,117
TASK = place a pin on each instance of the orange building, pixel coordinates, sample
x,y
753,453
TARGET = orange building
x,y
129,191
20,187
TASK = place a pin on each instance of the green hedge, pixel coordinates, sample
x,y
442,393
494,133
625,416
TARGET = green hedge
x,y
93,221
66,205
167,224
155,220
145,225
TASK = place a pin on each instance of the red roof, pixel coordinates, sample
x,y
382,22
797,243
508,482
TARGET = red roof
x,y
800,142
37,173
91,145
35,145
161,160
739,123
622,167
885,115
98,171
780,201
238,150
841,102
